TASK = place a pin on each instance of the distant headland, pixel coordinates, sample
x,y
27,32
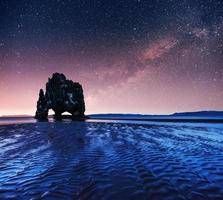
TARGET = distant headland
x,y
193,117
120,115
180,114
199,116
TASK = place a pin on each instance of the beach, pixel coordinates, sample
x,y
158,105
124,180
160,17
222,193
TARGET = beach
x,y
111,160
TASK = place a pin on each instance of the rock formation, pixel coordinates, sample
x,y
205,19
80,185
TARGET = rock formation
x,y
61,95
42,108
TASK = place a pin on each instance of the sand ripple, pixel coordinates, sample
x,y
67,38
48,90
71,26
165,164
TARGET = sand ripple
x,y
111,161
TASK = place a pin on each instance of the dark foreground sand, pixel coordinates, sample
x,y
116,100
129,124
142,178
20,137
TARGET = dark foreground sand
x,y
94,160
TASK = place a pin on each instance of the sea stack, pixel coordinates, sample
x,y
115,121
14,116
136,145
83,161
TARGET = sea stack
x,y
62,95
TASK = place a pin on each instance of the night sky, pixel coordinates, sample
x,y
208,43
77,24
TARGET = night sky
x,y
131,56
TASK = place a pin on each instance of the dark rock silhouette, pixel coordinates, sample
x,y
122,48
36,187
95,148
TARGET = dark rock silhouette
x,y
61,95
42,108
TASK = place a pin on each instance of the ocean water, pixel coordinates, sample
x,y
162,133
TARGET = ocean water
x,y
101,159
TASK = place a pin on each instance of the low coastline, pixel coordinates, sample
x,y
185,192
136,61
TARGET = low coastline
x,y
89,118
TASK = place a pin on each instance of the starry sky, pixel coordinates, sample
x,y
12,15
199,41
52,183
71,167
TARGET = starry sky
x,y
131,56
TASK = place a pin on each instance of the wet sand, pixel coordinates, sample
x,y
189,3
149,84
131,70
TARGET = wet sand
x,y
110,160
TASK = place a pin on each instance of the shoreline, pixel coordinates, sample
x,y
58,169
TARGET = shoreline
x,y
147,119
179,120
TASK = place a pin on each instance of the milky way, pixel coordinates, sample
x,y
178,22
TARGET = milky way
x,y
131,56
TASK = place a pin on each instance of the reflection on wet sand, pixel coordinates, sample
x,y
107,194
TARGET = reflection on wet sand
x,y
97,160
